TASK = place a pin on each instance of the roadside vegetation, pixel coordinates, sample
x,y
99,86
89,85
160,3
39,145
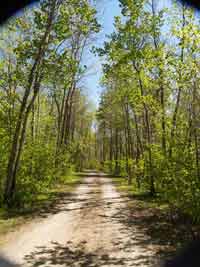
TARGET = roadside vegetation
x,y
148,117
45,116
44,200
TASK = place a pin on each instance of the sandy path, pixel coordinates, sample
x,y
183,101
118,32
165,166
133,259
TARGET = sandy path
x,y
87,230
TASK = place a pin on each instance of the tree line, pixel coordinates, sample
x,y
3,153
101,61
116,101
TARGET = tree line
x,y
148,117
45,116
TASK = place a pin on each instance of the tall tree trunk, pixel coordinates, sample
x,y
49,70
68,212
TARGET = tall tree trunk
x,y
162,93
148,134
25,108
111,148
178,99
195,128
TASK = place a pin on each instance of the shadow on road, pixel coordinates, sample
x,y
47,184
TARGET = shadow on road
x,y
151,222
147,230
65,256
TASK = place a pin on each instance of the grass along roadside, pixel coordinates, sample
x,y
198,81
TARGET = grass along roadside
x,y
11,219
143,197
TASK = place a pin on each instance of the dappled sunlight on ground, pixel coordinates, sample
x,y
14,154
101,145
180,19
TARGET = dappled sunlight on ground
x,y
94,226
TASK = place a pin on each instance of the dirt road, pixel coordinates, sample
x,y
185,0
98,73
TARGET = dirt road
x,y
88,229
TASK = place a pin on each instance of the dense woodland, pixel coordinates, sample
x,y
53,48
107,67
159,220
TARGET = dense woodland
x,y
45,116
148,117
146,127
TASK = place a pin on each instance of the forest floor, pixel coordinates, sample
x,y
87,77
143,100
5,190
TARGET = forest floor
x,y
94,226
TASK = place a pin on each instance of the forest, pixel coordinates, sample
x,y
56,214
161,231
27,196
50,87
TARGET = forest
x,y
45,116
146,127
148,116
